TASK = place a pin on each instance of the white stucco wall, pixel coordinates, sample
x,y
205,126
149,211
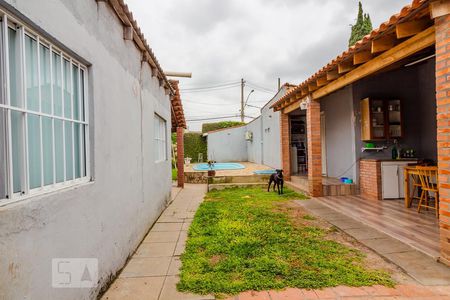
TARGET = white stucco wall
x,y
271,134
265,148
108,217
228,145
254,147
340,133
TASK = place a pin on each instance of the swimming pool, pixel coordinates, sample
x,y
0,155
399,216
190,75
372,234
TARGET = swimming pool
x,y
219,166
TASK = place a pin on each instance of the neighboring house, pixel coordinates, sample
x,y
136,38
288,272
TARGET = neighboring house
x,y
85,122
394,84
257,141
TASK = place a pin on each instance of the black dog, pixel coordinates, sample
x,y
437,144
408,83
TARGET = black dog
x,y
277,179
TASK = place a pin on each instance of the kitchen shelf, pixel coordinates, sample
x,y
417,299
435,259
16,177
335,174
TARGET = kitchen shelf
x,y
377,149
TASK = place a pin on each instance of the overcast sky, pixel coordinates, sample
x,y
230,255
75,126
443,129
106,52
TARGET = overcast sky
x,y
222,41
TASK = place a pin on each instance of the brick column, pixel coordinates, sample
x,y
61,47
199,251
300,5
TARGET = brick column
x,y
314,149
370,179
285,145
442,23
180,156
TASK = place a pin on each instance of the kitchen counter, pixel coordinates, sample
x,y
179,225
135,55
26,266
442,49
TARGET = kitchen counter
x,y
388,159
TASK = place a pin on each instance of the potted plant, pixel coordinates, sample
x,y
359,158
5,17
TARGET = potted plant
x,y
211,171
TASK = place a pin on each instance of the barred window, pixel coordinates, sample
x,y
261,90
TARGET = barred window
x,y
43,114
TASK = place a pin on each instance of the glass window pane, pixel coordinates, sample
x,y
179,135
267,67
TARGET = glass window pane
x,y
46,96
47,145
17,149
67,90
84,150
83,114
14,67
31,73
69,150
77,152
3,158
59,151
34,151
76,93
57,84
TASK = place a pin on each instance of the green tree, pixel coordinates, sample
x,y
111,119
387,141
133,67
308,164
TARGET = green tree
x,y
362,27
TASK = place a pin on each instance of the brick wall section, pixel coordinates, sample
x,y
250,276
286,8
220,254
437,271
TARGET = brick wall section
x,y
314,149
370,179
443,135
285,146
180,156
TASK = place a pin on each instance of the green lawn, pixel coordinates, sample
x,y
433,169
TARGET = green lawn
x,y
174,174
243,239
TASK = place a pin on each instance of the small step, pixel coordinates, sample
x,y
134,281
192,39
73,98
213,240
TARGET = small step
x,y
299,188
240,179
340,189
221,186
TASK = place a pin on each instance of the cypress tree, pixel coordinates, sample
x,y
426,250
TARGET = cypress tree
x,y
362,27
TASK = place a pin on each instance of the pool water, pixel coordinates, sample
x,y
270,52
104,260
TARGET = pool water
x,y
219,166
265,172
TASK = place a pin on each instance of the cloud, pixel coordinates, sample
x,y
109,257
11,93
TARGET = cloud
x,y
259,40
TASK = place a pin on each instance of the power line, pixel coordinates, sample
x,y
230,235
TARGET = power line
x,y
189,101
212,118
210,90
210,86
260,86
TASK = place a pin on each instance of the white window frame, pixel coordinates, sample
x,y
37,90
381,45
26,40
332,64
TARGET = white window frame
x,y
160,141
8,21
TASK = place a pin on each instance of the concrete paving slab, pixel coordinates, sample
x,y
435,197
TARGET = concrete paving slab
x,y
145,288
365,233
174,267
386,245
421,267
344,222
165,219
155,250
161,237
147,266
167,227
169,291
179,249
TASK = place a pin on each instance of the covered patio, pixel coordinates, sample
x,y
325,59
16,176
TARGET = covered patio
x,y
389,89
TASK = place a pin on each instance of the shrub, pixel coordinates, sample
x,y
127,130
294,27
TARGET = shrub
x,y
195,143
206,127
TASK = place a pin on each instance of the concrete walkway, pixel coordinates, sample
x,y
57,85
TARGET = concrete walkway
x,y
152,272
416,264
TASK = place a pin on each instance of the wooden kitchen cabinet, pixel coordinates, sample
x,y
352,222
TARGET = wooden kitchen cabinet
x,y
380,119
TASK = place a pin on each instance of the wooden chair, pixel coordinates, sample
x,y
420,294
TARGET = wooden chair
x,y
429,185
416,185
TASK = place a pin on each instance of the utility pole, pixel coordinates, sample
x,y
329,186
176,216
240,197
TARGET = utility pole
x,y
242,100
279,83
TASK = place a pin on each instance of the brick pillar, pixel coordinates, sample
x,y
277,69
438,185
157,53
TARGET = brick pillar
x,y
314,149
442,23
180,156
285,145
